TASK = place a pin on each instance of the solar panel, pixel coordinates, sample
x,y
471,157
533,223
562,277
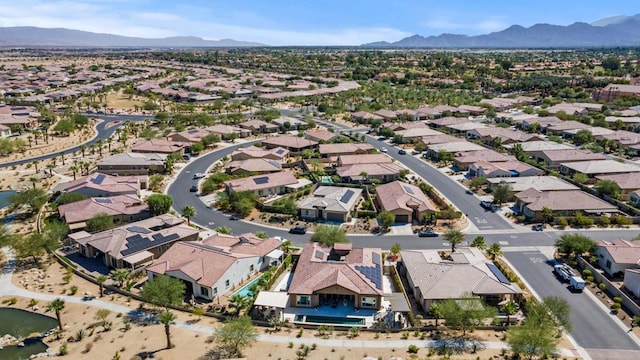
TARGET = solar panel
x,y
194,131
375,257
409,190
99,179
138,229
274,163
347,196
498,274
261,180
280,151
103,200
373,273
319,254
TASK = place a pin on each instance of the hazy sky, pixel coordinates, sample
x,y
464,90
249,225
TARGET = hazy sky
x,y
303,22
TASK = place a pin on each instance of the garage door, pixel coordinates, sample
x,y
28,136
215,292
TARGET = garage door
x,y
402,218
335,216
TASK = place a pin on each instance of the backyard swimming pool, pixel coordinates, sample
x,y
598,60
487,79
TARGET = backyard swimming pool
x,y
245,290
334,320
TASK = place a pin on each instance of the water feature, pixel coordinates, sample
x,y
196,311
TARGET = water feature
x,y
245,291
20,323
4,197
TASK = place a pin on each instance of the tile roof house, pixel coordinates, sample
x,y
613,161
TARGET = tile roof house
x,y
383,172
136,244
291,143
159,146
593,168
259,126
131,163
226,131
406,201
345,160
331,203
263,185
320,135
364,117
553,158
217,264
121,208
459,146
634,198
330,150
294,123
409,135
100,185
506,136
432,278
252,166
191,136
387,114
342,274
616,256
5,131
540,183
531,202
628,182
463,160
253,152
503,169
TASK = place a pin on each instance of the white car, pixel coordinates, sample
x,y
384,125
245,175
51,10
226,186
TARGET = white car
x,y
384,149
198,175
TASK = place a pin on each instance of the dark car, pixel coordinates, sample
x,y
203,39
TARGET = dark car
x,y
402,152
233,218
487,205
538,227
193,188
427,233
301,230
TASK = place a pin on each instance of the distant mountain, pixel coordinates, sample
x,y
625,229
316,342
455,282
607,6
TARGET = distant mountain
x,y
60,37
609,32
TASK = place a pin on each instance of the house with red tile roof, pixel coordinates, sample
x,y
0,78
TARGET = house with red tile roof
x,y
253,152
405,200
259,126
216,265
190,136
338,276
615,256
331,150
289,142
134,245
320,135
628,183
159,146
531,203
252,166
121,208
263,185
103,185
503,169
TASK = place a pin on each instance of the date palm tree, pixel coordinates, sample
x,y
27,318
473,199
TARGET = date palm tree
x,y
74,170
189,212
454,237
167,319
479,242
494,250
57,306
238,302
100,279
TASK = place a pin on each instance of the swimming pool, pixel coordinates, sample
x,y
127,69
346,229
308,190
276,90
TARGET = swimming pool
x,y
334,320
245,291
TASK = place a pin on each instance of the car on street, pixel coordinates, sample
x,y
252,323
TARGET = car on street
x,y
233,218
469,192
198,176
427,233
487,205
381,138
193,188
402,152
383,149
300,230
538,227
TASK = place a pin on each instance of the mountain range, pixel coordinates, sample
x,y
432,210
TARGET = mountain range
x,y
608,32
59,37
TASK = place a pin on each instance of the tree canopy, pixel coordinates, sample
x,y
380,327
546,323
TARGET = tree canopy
x,y
329,235
159,204
465,314
232,337
100,222
575,244
164,291
502,193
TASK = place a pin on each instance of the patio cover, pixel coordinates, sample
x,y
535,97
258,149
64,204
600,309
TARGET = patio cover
x,y
276,299
398,302
134,259
78,225
275,254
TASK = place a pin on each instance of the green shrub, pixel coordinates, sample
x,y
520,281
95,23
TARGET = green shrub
x,y
602,286
617,299
413,349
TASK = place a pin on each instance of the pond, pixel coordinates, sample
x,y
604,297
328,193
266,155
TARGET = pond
x,y
20,323
4,197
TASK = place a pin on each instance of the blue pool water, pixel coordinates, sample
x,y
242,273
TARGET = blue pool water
x,y
4,197
245,291
329,320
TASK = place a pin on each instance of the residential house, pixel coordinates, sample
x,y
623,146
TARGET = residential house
x,y
459,146
263,185
364,117
387,115
463,129
553,158
253,152
330,203
5,131
531,203
292,143
615,256
432,278
136,244
539,122
463,160
540,183
503,169
436,139
625,139
227,132
159,146
631,281
505,136
446,121
613,91
594,168
218,264
628,182
321,136
339,276
406,201
293,123
346,160
131,163
252,166
259,126
334,150
191,136
634,199
410,135
121,209
102,185
471,110
562,127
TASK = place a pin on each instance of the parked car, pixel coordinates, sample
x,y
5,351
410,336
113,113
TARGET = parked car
x,y
381,138
427,233
402,152
301,230
469,192
383,149
193,188
198,175
537,227
233,218
487,205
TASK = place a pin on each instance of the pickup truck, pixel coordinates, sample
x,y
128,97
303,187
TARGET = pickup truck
x,y
563,272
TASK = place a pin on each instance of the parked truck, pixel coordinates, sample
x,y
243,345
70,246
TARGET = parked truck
x,y
577,283
563,272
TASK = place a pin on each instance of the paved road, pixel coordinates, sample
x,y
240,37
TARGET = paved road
x,y
104,129
593,326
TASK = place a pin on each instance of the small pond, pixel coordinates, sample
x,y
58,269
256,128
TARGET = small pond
x,y
4,197
20,323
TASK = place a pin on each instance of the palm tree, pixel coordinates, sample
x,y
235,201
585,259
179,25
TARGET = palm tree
x,y
109,141
454,237
100,279
100,144
74,170
286,246
189,212
509,309
494,250
238,302
33,181
57,306
435,312
120,276
83,148
167,318
479,242
35,164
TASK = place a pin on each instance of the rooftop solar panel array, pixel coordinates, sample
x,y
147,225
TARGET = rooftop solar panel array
x,y
347,196
98,179
408,189
373,273
261,180
138,229
103,200
498,274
